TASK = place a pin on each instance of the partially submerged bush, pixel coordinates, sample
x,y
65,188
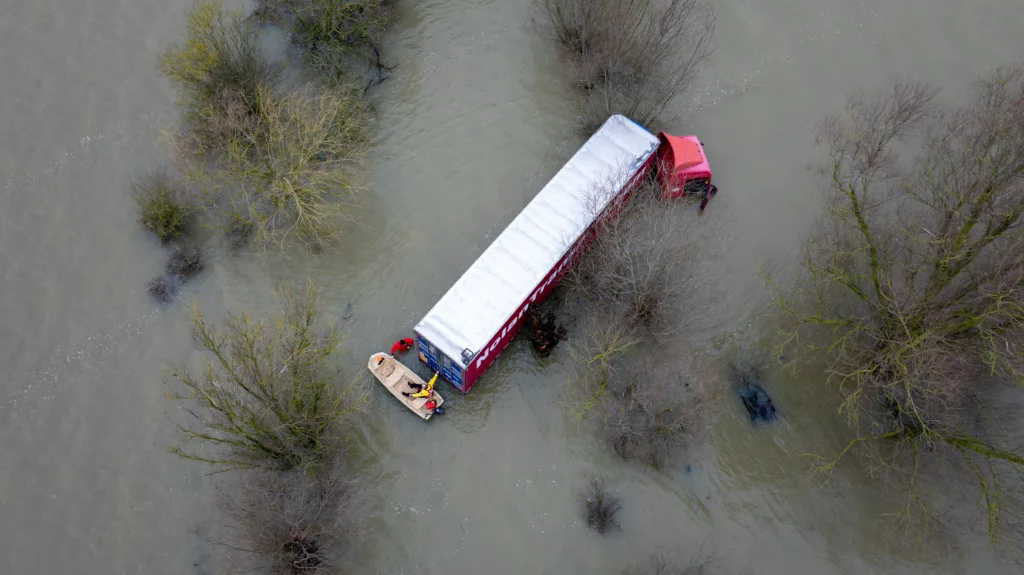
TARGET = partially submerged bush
x,y
702,563
646,265
184,263
161,289
289,167
651,401
640,283
269,396
630,56
238,230
274,164
219,68
288,523
657,406
334,32
161,203
600,507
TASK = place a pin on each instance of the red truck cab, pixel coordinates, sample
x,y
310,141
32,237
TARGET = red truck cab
x,y
683,168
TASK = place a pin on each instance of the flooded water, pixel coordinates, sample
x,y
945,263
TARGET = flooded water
x,y
474,120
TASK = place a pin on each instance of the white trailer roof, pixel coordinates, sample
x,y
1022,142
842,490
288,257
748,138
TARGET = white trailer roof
x,y
491,290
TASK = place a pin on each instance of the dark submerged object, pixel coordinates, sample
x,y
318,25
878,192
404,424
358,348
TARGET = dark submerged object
x,y
161,289
183,264
757,401
545,333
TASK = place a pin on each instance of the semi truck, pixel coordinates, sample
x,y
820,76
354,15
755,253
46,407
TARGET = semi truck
x,y
466,330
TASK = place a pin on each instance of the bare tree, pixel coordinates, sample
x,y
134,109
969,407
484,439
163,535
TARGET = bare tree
x,y
270,395
630,56
287,523
912,284
646,263
659,406
641,283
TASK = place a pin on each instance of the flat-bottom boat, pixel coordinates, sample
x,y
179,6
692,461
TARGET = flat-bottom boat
x,y
396,377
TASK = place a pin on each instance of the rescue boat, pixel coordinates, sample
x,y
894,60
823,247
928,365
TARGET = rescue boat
x,y
396,377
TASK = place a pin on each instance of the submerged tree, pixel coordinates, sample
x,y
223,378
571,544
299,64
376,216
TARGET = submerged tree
x,y
332,33
269,395
290,165
279,164
287,523
600,507
640,284
912,284
218,65
162,204
631,57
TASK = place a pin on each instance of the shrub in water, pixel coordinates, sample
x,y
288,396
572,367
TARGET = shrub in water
x,y
642,284
657,406
600,507
702,563
161,205
332,32
161,289
184,263
631,57
276,164
219,67
289,168
291,523
270,395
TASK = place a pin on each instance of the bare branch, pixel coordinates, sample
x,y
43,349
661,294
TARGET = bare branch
x,y
631,57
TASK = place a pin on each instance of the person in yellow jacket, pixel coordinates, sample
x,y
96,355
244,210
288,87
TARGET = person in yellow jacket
x,y
422,390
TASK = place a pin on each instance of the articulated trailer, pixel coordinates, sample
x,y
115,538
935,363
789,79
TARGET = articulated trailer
x,y
464,332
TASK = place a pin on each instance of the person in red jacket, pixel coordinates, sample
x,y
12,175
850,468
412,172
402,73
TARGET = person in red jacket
x,y
402,346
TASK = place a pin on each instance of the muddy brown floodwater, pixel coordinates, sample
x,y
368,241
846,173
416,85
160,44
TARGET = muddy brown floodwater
x,y
474,120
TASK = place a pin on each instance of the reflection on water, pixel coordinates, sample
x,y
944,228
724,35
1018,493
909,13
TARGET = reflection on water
x,y
474,120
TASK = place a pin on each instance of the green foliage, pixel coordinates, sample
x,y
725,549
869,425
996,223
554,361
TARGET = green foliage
x,y
269,395
161,205
273,165
220,55
332,32
912,285
286,171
